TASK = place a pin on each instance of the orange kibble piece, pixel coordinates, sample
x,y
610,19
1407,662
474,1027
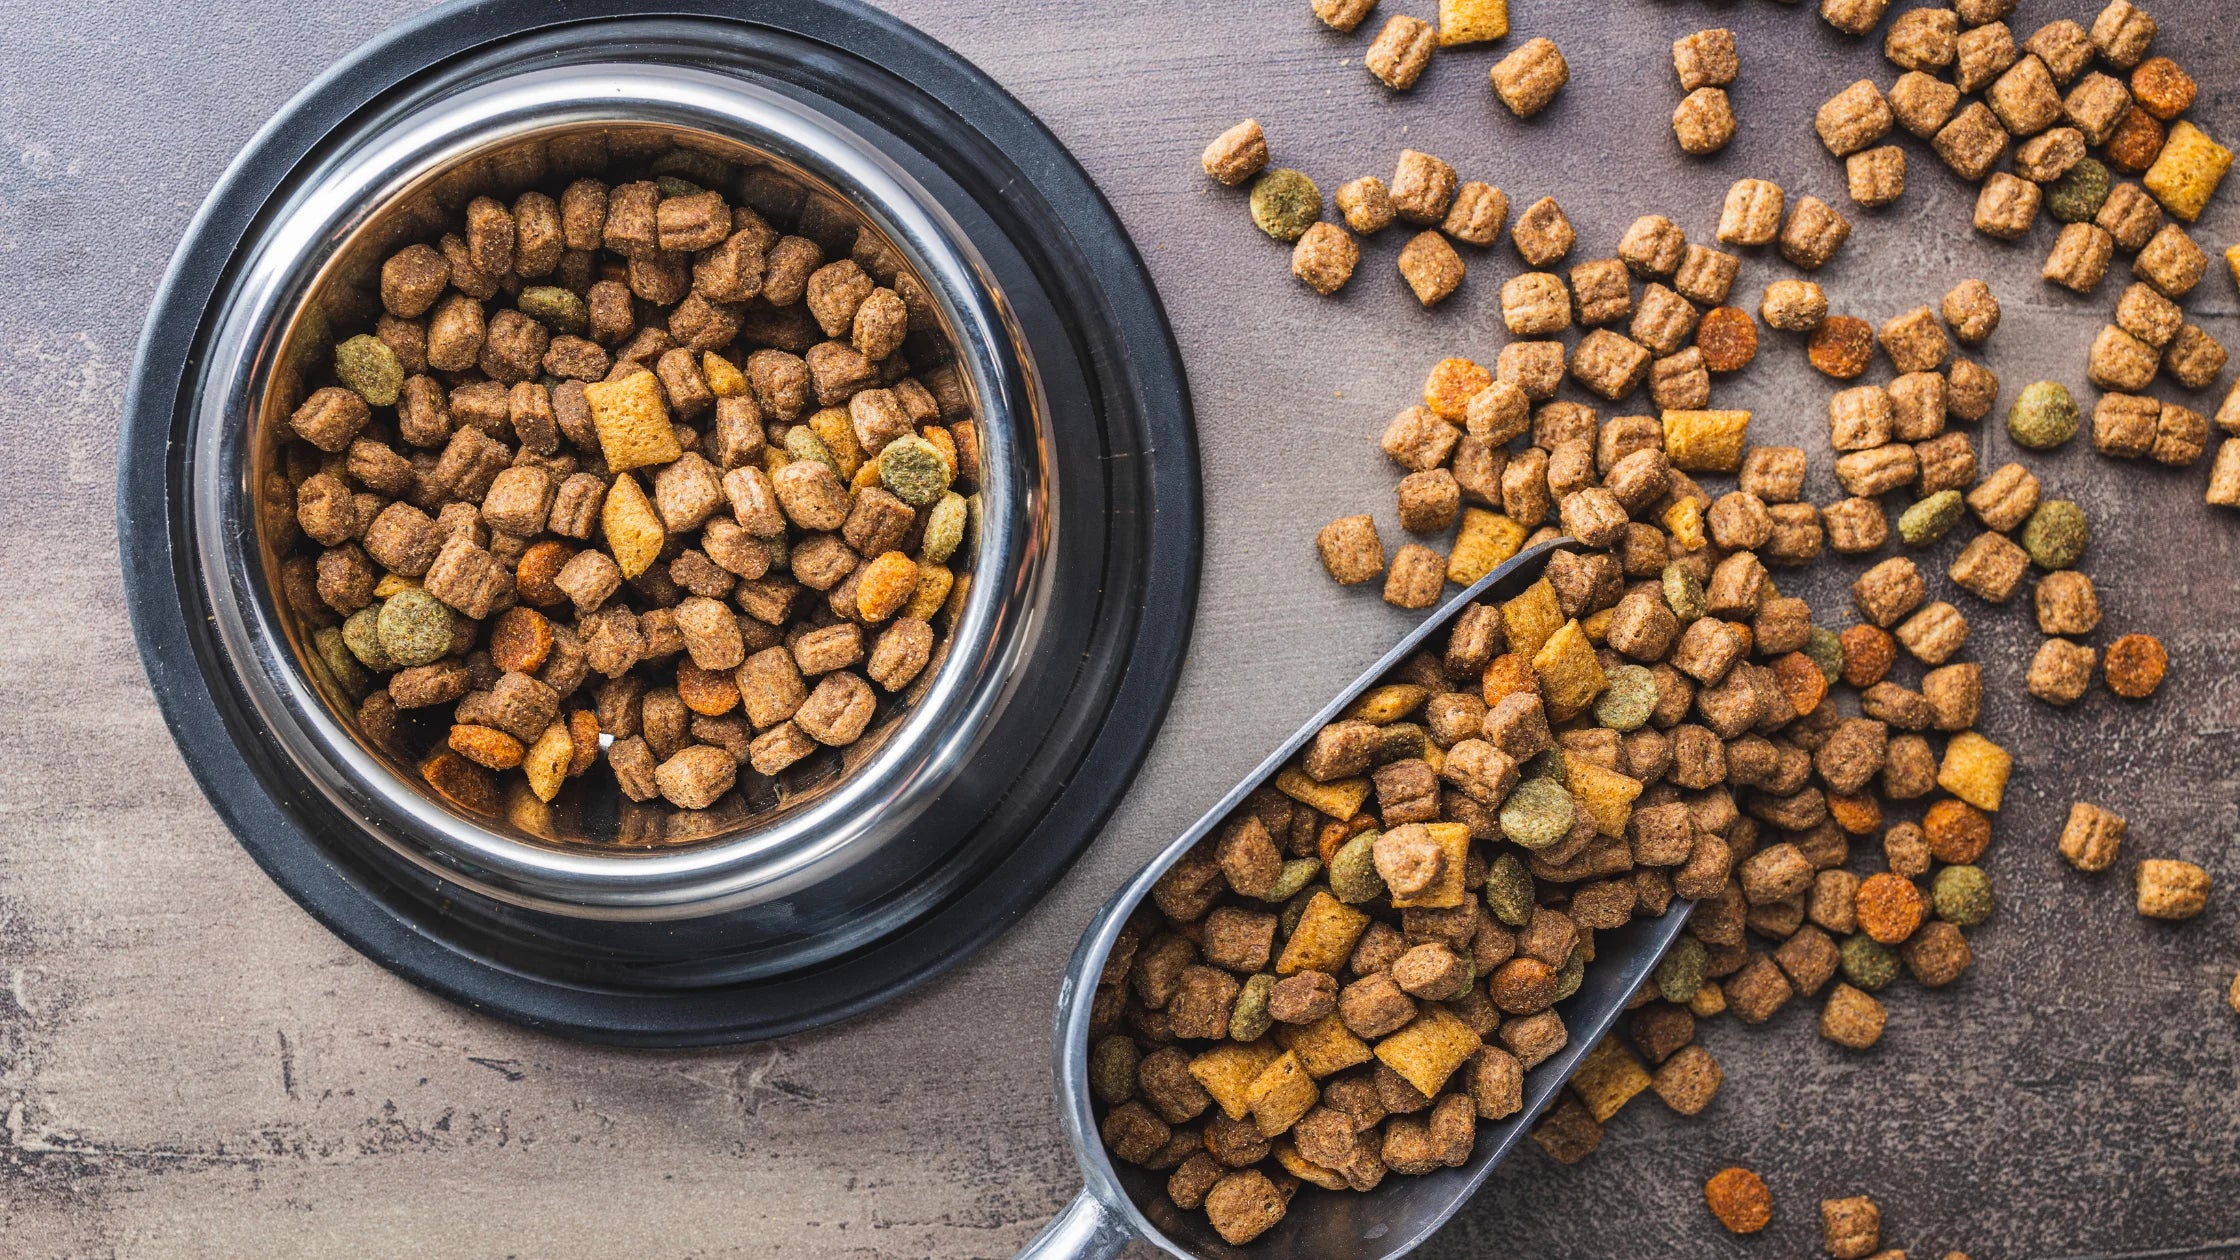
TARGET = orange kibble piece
x,y
888,583
583,729
461,782
943,443
1739,1198
1842,346
1888,907
1868,653
520,639
486,746
2134,666
1335,834
1800,679
1451,385
2135,143
1958,832
2162,88
708,692
1858,813
533,573
1507,675
1728,338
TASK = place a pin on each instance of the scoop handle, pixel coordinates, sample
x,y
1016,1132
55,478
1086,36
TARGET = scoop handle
x,y
1086,1230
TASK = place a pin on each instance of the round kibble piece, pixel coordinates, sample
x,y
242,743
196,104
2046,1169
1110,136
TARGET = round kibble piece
x,y
368,367
945,528
2056,535
1962,895
886,586
2135,665
554,307
914,471
1112,1069
1285,203
1683,592
2044,416
1537,814
1353,871
1889,908
1867,963
802,443
1739,1199
2077,196
1625,705
1842,347
1931,518
361,633
1680,973
1249,1019
415,628
1509,891
1955,831
1728,338
1868,654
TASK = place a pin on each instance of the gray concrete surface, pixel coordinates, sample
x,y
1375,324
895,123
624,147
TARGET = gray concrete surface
x,y
190,1066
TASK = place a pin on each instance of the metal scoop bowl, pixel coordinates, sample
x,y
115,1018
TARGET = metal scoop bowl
x,y
1121,1204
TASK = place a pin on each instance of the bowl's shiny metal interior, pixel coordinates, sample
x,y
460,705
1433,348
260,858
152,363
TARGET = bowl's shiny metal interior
x,y
309,277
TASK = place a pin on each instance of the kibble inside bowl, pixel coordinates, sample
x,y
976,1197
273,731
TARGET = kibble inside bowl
x,y
619,481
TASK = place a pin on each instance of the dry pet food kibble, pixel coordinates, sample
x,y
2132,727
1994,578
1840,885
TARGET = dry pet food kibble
x,y
616,515
1739,1199
1401,51
2135,666
2172,890
1529,78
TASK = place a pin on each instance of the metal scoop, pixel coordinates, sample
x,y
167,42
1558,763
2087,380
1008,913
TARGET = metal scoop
x,y
1118,1205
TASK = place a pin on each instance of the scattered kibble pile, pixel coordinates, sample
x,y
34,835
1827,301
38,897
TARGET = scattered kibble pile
x,y
627,464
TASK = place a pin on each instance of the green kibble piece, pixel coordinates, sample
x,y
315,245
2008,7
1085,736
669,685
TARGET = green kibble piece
x,y
781,552
415,628
1626,703
361,633
2056,535
1930,519
1680,973
1293,876
2044,416
672,186
945,528
1509,891
350,676
1112,1069
1249,1019
1537,814
914,470
1867,963
1285,203
1569,975
554,307
692,171
366,365
1353,871
1962,895
802,443
1683,592
1826,650
1548,763
2077,196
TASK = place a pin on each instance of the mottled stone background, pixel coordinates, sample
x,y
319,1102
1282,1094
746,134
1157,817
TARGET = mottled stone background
x,y
191,1066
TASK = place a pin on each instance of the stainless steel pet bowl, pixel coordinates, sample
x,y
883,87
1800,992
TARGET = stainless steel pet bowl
x,y
854,873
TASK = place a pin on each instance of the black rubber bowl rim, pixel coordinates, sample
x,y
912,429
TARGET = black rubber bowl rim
x,y
169,625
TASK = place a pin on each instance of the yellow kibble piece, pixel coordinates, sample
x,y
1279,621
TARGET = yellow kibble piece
x,y
1325,1047
774,459
1608,1078
546,766
1597,625
1327,932
1684,521
832,426
1281,1094
1570,676
1228,1070
1975,770
1305,1169
888,583
1472,21
1532,618
1450,386
1604,795
1429,1049
866,477
632,421
2186,176
391,583
1448,892
1341,799
1389,703
1705,441
943,443
724,378
1484,543
934,581
633,529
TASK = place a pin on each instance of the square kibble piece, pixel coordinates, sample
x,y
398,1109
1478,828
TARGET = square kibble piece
x,y
2194,359
1990,567
1706,59
2095,105
1922,39
1543,235
1855,526
1602,292
1528,79
2025,98
2171,262
1982,55
2007,207
1973,142
1922,103
2080,257
1752,214
2064,46
1609,365
1854,17
1704,121
1854,118
1401,51
1876,177
1915,341
1813,233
